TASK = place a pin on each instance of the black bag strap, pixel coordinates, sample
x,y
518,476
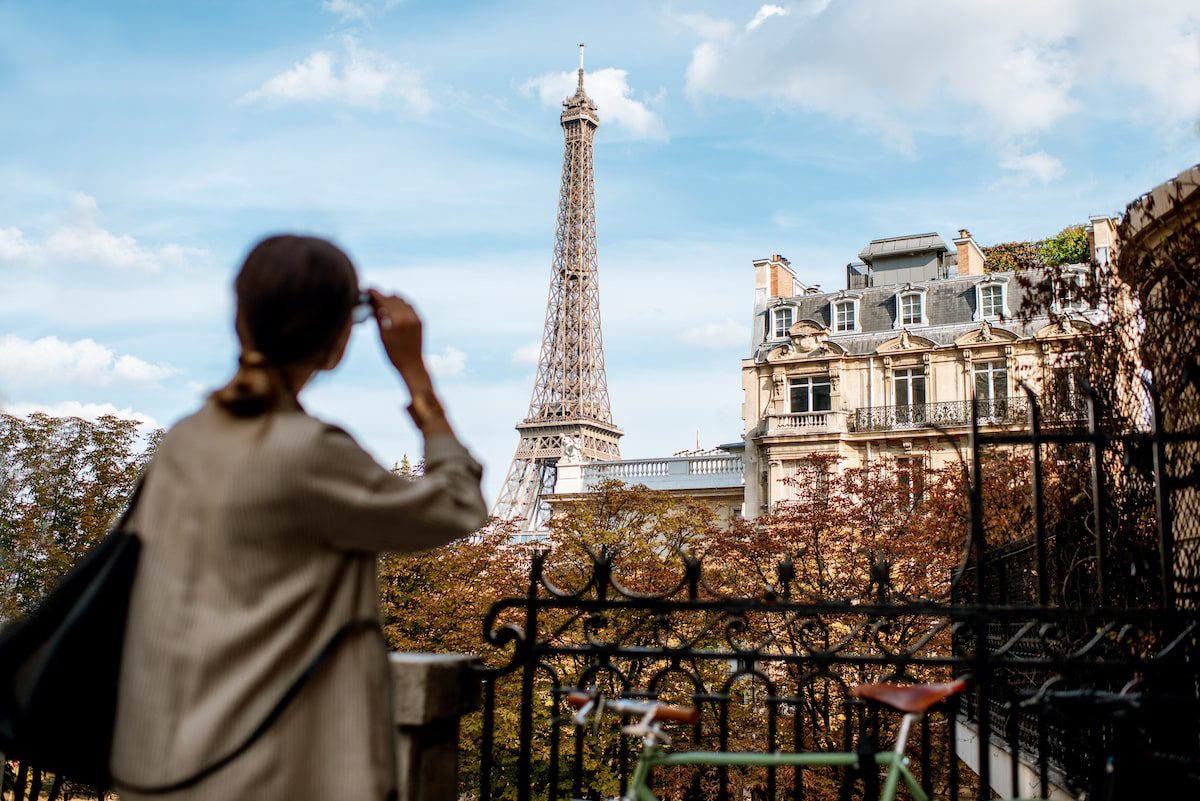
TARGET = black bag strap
x,y
127,512
293,690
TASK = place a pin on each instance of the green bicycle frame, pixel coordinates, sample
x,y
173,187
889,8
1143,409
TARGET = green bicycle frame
x,y
652,757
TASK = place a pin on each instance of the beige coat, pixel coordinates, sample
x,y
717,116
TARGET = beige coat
x,y
260,538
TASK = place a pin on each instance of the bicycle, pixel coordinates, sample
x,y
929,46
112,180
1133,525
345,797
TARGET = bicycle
x,y
911,699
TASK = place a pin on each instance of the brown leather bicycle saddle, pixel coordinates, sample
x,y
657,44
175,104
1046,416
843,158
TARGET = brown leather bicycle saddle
x,y
909,697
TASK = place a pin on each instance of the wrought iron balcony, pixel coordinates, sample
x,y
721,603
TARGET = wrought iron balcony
x,y
949,414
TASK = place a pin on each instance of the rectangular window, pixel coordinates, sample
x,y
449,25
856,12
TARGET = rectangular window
x,y
992,301
909,386
1065,400
910,476
804,482
783,321
910,309
1070,292
991,389
843,313
810,395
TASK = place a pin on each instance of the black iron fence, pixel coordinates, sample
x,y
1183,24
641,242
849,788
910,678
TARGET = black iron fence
x,y
1073,666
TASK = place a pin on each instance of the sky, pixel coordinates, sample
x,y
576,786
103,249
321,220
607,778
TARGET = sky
x,y
146,145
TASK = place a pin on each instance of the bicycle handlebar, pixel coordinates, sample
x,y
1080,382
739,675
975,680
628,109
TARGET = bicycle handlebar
x,y
626,706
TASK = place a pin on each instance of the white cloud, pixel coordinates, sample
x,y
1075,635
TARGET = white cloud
x,y
527,354
357,10
85,411
16,249
359,77
450,363
610,88
348,10
764,13
1039,166
1000,72
82,241
50,360
717,335
706,27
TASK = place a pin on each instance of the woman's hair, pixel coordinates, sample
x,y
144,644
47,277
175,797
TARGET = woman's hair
x,y
294,297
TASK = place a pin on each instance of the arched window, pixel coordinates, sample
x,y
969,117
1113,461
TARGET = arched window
x,y
991,300
1069,289
910,307
782,319
843,314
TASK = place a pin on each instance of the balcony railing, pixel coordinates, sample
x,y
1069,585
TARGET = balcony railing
x,y
712,471
948,414
806,423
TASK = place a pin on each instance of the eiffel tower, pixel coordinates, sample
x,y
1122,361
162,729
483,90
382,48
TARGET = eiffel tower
x,y
569,412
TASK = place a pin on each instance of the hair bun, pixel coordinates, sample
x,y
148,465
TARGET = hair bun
x,y
253,389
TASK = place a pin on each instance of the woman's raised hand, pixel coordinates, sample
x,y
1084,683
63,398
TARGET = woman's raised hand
x,y
400,332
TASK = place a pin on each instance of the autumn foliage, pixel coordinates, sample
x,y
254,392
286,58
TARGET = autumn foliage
x,y
64,481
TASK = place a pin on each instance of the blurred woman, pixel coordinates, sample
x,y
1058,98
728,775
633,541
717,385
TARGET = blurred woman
x,y
260,527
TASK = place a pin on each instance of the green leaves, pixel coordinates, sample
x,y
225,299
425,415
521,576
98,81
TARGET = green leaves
x,y
1069,246
64,480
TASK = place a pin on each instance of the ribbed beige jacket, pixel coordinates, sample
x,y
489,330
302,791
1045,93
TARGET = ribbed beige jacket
x,y
259,541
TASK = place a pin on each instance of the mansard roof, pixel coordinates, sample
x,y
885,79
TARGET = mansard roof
x,y
950,310
949,301
900,245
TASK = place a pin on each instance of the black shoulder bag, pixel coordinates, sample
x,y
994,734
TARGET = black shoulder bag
x,y
60,667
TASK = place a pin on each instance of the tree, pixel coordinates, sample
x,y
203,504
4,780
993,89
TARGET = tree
x,y
65,480
1069,246
1012,256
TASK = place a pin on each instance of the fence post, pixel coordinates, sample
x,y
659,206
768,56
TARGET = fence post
x,y
430,693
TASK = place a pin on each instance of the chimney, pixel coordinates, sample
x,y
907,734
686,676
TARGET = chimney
x,y
775,276
1102,238
970,257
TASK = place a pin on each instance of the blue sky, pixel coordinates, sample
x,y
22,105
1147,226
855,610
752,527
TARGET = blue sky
x,y
145,145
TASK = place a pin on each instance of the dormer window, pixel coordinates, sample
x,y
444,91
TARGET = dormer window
x,y
1069,290
782,318
845,315
991,300
910,306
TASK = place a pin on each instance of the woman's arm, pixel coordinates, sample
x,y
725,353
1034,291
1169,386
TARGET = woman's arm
x,y
354,503
361,505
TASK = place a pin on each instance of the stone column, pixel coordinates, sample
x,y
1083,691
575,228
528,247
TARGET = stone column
x,y
430,693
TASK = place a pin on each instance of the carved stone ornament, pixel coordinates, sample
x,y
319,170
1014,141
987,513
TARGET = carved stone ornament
x,y
810,339
781,352
985,332
570,449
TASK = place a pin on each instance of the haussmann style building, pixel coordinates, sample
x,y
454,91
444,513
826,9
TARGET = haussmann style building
x,y
893,366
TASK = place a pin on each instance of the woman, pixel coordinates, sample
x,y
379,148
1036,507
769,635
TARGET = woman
x,y
260,528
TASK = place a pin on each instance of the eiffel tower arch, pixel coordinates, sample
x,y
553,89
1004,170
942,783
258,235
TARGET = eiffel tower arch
x,y
569,411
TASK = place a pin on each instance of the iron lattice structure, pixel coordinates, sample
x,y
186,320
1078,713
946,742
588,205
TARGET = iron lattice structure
x,y
569,409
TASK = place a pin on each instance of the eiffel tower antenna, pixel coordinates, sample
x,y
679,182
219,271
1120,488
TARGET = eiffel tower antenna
x,y
569,412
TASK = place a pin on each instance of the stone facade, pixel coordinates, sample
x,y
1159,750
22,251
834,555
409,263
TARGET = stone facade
x,y
893,366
